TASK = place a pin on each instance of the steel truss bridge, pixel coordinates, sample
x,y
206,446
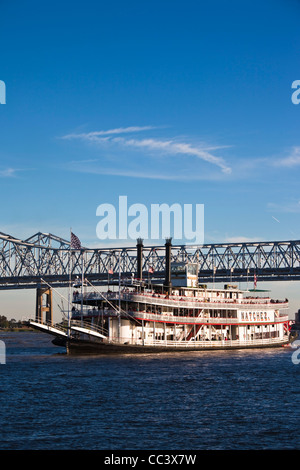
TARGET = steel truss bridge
x,y
27,263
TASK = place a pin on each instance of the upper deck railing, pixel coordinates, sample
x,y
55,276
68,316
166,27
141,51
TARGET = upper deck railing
x,y
186,301
202,319
205,320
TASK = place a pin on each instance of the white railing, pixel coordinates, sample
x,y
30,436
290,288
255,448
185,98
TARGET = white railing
x,y
199,344
64,328
184,302
52,327
169,318
89,326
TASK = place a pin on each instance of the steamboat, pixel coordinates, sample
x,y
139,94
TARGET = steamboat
x,y
179,314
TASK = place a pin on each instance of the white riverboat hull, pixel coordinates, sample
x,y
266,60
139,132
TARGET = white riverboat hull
x,y
87,346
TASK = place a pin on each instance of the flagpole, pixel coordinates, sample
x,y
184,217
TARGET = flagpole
x,y
70,278
76,245
82,278
119,319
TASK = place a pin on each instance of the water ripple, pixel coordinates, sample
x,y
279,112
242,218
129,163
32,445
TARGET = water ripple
x,y
202,400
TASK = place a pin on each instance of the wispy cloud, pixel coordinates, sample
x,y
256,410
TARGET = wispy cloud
x,y
8,172
292,160
118,130
292,206
241,239
172,147
83,167
153,147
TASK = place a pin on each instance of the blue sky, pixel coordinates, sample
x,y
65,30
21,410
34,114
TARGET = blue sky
x,y
162,101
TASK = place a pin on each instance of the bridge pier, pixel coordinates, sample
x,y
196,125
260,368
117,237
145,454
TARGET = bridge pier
x,y
44,305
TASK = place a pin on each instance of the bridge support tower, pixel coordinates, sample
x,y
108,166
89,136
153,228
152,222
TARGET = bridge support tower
x,y
44,305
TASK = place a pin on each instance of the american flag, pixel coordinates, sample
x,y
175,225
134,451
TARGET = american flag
x,y
75,242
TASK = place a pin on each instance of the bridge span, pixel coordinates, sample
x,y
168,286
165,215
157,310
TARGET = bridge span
x,y
24,263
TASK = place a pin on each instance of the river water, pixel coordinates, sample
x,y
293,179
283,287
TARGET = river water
x,y
213,400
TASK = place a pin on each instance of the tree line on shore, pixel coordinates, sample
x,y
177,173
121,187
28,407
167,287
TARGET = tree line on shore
x,y
5,323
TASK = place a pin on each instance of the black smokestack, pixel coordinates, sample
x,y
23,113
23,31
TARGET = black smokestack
x,y
139,258
168,246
